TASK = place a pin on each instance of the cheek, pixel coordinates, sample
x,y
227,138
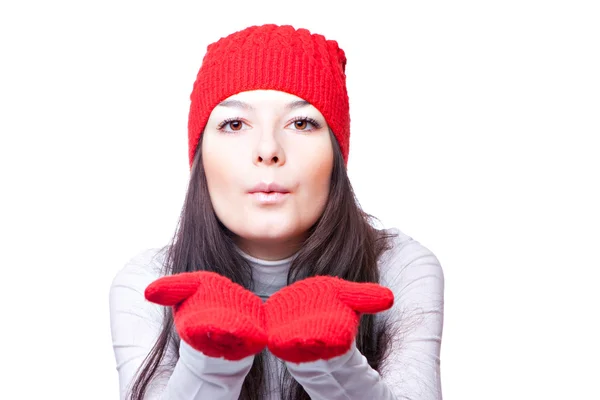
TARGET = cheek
x,y
221,169
316,180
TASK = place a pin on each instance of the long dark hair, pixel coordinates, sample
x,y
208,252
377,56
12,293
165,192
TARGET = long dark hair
x,y
342,243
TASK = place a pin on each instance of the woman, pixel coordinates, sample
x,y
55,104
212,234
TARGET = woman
x,y
276,285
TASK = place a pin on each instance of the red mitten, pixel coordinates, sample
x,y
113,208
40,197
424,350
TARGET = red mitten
x,y
212,314
317,318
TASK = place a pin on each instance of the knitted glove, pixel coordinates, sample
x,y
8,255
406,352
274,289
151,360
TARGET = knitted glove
x,y
212,314
317,318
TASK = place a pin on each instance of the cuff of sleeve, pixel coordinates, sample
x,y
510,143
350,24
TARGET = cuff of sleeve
x,y
333,364
201,363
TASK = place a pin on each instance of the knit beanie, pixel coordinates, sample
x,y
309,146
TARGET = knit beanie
x,y
273,57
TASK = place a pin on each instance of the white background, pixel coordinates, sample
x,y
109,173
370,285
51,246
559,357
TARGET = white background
x,y
475,128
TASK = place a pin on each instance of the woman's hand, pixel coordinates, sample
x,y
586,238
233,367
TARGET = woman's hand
x,y
212,314
317,318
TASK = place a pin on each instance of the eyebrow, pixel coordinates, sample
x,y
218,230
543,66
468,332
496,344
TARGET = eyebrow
x,y
240,104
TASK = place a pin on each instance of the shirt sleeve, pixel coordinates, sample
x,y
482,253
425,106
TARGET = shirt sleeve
x,y
135,326
411,369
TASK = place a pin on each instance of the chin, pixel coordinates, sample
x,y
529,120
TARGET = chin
x,y
278,233
271,228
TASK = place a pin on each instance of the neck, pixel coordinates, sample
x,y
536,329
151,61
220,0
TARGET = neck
x,y
267,276
269,250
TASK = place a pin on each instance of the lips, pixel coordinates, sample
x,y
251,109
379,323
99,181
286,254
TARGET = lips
x,y
269,194
269,188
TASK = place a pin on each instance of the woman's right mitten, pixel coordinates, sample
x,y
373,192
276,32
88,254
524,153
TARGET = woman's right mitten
x,y
212,314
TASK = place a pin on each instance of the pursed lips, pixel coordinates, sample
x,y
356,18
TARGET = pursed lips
x,y
268,188
269,193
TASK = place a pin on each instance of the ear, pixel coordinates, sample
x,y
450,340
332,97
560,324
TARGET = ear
x,y
172,289
364,297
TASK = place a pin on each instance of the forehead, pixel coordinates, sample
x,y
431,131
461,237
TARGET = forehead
x,y
265,99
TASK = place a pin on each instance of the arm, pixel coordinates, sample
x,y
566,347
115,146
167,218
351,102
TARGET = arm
x,y
135,326
412,369
347,377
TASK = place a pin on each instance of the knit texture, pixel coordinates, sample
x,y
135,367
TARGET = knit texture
x,y
212,314
278,58
317,318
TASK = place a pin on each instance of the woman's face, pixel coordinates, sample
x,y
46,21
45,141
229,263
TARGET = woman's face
x,y
268,159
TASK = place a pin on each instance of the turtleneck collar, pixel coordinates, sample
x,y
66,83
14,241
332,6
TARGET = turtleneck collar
x,y
268,276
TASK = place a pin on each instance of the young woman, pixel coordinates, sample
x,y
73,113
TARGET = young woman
x,y
276,284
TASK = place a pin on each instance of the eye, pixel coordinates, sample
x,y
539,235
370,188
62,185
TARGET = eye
x,y
235,125
300,123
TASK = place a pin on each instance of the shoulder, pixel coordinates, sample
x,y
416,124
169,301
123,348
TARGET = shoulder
x,y
409,264
139,271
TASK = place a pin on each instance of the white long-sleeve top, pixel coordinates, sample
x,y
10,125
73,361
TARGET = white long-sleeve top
x,y
411,371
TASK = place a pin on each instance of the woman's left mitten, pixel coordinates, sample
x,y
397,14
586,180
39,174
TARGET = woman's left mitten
x,y
317,318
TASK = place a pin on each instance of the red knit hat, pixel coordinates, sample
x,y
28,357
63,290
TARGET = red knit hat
x,y
278,58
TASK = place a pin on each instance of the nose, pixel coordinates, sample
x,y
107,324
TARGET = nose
x,y
268,150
